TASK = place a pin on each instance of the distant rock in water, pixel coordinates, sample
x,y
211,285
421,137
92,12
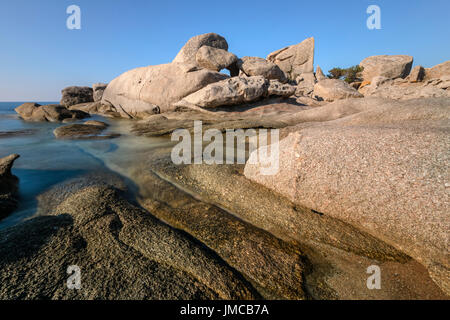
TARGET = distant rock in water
x,y
52,113
8,186
75,95
90,130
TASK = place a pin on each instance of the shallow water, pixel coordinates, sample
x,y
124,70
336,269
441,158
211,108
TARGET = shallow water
x,y
45,161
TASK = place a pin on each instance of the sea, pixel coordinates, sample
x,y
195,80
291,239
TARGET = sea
x,y
45,161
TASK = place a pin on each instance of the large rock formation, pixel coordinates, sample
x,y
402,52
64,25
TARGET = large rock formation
x,y
255,66
8,185
334,89
296,59
235,91
75,95
382,167
52,113
391,67
438,71
155,89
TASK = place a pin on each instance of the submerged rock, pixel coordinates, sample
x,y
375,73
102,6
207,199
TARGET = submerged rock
x,y
8,186
90,130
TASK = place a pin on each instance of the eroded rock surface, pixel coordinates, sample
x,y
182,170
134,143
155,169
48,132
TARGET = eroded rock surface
x,y
380,166
123,252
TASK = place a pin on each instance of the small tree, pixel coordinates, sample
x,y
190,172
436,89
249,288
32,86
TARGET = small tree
x,y
348,75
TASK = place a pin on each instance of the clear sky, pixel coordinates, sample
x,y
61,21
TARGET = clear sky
x,y
39,56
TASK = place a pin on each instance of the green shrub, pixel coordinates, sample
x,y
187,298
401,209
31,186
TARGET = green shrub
x,y
348,75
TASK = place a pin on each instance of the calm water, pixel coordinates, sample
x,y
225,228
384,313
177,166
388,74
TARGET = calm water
x,y
45,161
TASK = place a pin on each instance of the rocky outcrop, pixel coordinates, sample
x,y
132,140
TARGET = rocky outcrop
x,y
52,113
334,89
155,89
75,95
8,186
235,91
122,251
255,66
305,85
90,130
98,89
188,53
417,74
438,71
389,66
319,74
404,89
380,166
296,59
214,59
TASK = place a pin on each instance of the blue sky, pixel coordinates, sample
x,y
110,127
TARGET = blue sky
x,y
39,56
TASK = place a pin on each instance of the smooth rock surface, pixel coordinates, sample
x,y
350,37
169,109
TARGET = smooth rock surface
x,y
389,66
382,167
334,89
188,53
155,89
